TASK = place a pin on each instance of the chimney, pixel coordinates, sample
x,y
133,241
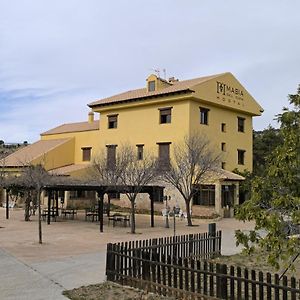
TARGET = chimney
x,y
91,116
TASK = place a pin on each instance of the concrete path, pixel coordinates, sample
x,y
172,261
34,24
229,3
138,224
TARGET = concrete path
x,y
48,279
74,271
21,281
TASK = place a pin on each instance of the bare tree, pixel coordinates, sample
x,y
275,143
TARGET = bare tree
x,y
31,181
2,174
135,174
2,170
37,177
193,159
127,171
103,172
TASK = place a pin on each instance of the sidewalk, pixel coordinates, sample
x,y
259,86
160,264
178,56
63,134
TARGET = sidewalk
x,y
21,281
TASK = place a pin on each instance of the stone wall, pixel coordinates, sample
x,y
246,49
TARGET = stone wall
x,y
143,202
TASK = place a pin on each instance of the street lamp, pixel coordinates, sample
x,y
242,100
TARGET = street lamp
x,y
176,210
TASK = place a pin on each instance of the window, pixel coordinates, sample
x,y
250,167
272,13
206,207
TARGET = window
x,y
112,121
111,156
241,124
227,195
204,115
163,156
223,127
223,165
165,115
86,153
223,146
140,152
241,157
151,86
205,195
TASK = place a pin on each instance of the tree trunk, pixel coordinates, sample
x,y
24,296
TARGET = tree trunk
x,y
39,215
27,207
188,212
132,215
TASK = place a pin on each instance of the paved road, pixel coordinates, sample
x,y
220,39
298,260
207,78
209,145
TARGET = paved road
x,y
47,280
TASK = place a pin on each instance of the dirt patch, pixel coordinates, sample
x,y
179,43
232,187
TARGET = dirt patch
x,y
257,261
111,291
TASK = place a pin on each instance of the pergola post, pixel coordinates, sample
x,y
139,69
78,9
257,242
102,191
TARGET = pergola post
x,y
49,206
56,202
7,202
100,209
108,205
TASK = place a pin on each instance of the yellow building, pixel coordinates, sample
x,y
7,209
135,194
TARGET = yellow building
x,y
154,118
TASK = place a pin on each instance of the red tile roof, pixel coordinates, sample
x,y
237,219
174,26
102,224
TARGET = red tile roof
x,y
26,155
66,170
177,86
73,127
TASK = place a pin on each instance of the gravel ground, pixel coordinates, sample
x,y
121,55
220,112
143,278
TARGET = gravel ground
x,y
111,291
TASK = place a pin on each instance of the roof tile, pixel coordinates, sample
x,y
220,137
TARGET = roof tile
x,y
26,155
177,86
73,127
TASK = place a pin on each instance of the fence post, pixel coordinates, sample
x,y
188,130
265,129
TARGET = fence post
x,y
223,282
212,238
145,266
109,262
191,244
293,286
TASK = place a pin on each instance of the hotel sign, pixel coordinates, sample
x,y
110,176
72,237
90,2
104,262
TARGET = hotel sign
x,y
229,91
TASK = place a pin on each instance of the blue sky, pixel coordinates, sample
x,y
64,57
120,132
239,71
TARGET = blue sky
x,y
57,56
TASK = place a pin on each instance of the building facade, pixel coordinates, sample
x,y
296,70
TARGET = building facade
x,y
153,119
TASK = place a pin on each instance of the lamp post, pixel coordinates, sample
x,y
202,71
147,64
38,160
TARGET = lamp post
x,y
176,210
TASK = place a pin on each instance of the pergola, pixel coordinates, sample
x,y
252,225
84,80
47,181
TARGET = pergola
x,y
155,193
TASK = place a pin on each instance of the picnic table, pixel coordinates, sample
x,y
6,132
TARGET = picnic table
x,y
91,214
69,212
45,213
119,219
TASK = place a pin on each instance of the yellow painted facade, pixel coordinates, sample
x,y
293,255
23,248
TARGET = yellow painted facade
x,y
74,154
138,121
222,98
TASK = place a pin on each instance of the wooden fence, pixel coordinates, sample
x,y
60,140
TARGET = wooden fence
x,y
200,245
157,267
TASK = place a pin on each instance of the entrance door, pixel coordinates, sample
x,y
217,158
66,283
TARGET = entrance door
x,y
227,199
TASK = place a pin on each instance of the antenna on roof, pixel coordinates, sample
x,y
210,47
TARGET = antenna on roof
x,y
165,74
156,71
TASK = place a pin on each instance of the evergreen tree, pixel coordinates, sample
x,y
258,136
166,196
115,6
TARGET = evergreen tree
x,y
275,195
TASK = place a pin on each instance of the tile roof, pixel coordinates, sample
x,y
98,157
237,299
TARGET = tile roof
x,y
227,175
27,154
177,86
221,174
73,127
66,170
